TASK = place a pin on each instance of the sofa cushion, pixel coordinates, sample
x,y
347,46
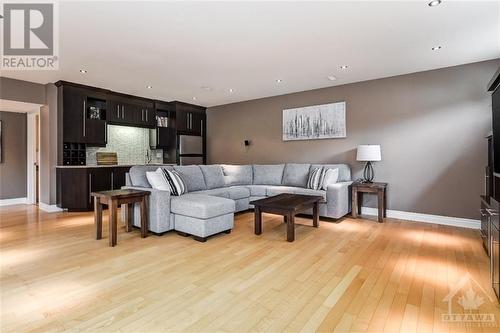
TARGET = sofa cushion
x,y
217,192
201,206
192,176
257,190
268,174
344,170
307,191
296,174
137,174
275,190
214,178
237,174
238,192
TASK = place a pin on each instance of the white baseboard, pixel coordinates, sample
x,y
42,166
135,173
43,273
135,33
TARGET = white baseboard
x,y
427,218
49,208
13,201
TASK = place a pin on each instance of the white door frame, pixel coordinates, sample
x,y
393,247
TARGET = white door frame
x,y
31,157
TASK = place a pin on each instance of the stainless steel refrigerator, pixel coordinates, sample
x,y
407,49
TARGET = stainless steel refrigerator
x,y
190,149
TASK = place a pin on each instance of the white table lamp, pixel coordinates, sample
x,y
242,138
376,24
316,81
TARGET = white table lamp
x,y
368,154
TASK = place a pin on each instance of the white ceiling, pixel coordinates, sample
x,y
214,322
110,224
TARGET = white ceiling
x,y
181,47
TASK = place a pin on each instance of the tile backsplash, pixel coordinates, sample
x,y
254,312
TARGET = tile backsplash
x,y
130,144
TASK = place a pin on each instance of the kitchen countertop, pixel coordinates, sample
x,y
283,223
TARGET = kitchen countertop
x,y
103,166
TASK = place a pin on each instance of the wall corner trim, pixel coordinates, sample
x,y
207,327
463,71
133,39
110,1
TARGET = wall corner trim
x,y
427,218
13,201
49,208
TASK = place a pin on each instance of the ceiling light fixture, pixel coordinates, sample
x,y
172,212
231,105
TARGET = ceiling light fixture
x,y
434,3
331,78
279,80
344,67
231,90
83,71
149,87
436,48
194,98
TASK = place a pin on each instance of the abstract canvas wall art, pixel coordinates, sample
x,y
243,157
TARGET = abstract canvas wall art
x,y
326,121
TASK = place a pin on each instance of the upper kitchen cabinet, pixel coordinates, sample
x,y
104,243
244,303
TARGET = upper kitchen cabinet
x,y
130,111
83,114
163,136
190,119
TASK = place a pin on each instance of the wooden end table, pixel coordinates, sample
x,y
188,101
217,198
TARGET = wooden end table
x,y
287,205
380,189
113,199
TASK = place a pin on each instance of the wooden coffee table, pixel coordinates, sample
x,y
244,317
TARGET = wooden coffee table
x,y
113,199
287,205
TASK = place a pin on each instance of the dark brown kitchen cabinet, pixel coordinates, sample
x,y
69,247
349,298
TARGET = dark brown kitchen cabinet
x,y
84,115
118,177
73,113
197,123
162,137
130,111
190,119
147,116
75,185
96,132
72,189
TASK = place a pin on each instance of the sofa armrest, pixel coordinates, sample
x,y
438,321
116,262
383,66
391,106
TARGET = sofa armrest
x,y
338,199
158,209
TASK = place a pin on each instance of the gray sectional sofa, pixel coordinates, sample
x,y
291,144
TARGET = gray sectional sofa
x,y
216,192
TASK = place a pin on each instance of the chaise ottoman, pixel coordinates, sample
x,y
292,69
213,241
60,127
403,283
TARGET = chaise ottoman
x,y
202,215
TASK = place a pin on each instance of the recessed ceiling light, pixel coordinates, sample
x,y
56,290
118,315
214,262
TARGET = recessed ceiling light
x,y
331,78
83,71
194,98
149,87
231,90
435,48
434,3
206,88
344,67
279,80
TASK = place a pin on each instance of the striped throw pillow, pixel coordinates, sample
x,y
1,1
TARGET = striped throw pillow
x,y
316,177
174,180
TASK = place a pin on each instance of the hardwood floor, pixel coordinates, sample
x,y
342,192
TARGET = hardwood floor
x,y
350,276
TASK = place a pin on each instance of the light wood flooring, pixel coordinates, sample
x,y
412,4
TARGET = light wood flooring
x,y
345,276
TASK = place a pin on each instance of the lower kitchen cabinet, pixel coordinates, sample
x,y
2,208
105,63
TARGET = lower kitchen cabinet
x,y
75,185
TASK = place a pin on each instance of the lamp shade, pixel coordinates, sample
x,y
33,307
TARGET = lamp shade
x,y
369,153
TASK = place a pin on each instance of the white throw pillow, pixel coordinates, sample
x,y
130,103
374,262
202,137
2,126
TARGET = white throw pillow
x,y
331,177
157,180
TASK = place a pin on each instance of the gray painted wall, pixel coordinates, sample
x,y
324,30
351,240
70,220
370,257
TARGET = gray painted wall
x,y
22,91
48,146
13,172
431,126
